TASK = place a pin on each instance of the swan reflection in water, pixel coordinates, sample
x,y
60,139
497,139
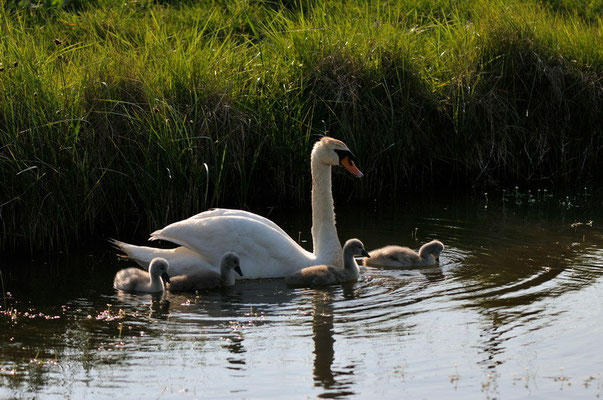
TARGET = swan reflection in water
x,y
337,383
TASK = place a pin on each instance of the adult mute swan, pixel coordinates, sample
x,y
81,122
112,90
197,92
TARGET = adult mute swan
x,y
324,275
137,280
397,256
266,251
206,279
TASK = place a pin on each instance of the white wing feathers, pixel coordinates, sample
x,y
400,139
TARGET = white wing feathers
x,y
218,212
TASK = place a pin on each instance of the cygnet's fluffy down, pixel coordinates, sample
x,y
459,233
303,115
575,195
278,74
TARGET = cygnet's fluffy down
x,y
324,275
398,256
137,280
206,279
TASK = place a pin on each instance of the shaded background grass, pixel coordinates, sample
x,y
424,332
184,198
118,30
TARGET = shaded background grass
x,y
122,117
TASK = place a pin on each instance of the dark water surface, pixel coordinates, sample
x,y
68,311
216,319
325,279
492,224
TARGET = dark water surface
x,y
514,310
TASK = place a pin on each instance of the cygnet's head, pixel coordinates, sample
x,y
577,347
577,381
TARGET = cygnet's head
x,y
159,267
435,248
334,152
355,248
230,260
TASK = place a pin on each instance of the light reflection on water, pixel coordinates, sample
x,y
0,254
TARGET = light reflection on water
x,y
512,310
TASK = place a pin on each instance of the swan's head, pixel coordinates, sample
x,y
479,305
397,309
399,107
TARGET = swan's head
x,y
230,261
159,267
434,248
355,248
331,151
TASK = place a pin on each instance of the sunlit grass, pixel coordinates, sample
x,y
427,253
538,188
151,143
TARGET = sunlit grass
x,y
134,114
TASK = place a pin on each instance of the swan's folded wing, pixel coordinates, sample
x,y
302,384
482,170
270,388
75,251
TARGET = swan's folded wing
x,y
219,212
265,252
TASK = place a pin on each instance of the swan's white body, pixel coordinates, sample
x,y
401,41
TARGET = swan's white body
x,y
265,250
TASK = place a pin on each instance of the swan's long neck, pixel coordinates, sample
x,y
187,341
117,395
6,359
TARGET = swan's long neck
x,y
350,266
324,233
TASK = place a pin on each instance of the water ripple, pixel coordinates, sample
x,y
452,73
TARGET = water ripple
x,y
515,294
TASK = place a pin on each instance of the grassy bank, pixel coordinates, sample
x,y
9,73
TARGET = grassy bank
x,y
130,115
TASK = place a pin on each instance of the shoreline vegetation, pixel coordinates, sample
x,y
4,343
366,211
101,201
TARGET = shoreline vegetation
x,y
125,116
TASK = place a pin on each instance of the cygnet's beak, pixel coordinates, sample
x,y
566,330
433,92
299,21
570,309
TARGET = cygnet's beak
x,y
238,270
365,253
348,164
165,277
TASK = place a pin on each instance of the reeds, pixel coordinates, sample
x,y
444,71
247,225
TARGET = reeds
x,y
131,116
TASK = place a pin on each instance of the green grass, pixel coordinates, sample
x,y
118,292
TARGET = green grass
x,y
124,116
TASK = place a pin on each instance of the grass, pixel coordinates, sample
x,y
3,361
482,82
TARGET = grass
x,y
124,117
3,292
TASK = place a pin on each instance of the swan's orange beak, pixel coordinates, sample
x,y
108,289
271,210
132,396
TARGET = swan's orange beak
x,y
351,167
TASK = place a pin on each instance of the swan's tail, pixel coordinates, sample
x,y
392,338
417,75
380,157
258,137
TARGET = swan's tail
x,y
120,246
181,259
142,255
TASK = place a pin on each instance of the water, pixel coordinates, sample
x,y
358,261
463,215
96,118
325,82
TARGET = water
x,y
513,310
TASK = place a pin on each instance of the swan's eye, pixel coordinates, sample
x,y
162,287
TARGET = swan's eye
x,y
343,154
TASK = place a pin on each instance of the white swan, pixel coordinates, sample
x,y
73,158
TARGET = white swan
x,y
324,275
266,251
137,280
206,279
398,256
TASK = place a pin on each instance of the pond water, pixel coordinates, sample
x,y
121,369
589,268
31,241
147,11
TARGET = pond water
x,y
513,310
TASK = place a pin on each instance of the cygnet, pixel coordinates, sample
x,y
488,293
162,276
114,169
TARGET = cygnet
x,y
137,280
206,279
324,275
398,256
